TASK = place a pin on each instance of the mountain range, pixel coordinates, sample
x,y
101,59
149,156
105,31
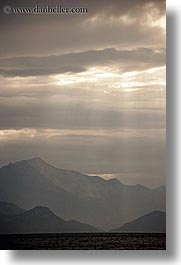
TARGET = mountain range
x,y
14,219
154,222
101,203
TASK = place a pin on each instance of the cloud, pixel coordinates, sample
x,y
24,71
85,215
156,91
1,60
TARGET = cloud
x,y
41,71
55,34
123,60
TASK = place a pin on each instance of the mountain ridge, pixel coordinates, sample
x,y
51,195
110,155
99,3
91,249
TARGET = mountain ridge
x,y
153,222
7,208
38,160
72,195
40,219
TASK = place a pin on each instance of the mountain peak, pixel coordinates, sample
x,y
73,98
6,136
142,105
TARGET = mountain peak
x,y
41,209
114,180
40,219
36,159
34,162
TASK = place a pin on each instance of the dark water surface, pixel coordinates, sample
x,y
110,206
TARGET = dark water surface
x,y
122,241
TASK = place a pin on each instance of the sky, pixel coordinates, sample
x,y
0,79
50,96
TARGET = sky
x,y
86,91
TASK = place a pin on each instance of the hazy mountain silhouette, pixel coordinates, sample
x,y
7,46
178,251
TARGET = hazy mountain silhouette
x,y
40,220
154,222
102,203
7,208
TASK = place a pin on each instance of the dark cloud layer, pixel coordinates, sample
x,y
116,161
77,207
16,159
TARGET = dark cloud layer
x,y
125,60
41,34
